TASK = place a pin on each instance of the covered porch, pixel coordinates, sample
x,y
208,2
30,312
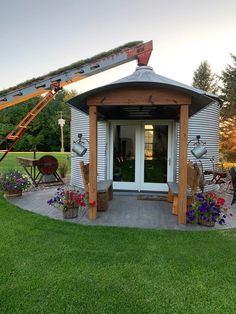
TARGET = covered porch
x,y
143,95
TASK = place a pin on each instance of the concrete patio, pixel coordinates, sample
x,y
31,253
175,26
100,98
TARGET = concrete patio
x,y
125,210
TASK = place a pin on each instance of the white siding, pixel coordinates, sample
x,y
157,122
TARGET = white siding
x,y
80,124
206,124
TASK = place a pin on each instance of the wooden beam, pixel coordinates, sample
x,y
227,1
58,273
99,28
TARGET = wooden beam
x,y
139,96
183,145
92,213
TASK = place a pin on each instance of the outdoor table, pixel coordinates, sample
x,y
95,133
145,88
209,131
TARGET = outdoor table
x,y
29,165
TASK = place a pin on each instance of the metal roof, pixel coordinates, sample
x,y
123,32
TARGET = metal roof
x,y
144,76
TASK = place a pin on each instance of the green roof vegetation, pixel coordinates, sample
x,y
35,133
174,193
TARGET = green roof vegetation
x,y
77,64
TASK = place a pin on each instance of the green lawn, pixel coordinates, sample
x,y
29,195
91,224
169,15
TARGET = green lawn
x,y
10,162
50,266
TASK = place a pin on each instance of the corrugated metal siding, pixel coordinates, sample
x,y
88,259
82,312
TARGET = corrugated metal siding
x,y
80,124
206,124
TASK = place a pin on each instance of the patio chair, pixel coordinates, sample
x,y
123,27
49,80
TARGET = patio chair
x,y
193,181
232,172
104,188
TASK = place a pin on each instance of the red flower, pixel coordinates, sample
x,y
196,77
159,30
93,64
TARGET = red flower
x,y
71,194
211,194
220,201
92,203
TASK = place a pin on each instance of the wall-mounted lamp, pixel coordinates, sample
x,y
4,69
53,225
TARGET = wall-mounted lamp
x,y
199,149
78,146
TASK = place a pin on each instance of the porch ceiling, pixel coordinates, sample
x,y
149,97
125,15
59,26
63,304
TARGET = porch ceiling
x,y
138,112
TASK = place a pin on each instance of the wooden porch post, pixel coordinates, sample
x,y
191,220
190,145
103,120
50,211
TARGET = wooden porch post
x,y
92,213
183,145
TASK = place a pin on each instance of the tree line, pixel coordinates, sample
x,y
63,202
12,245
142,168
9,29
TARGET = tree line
x,y
44,133
225,86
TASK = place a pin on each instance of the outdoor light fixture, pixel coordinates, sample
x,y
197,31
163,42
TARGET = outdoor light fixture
x,y
199,149
61,123
78,146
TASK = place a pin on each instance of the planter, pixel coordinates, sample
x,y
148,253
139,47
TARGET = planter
x,y
12,193
70,213
206,223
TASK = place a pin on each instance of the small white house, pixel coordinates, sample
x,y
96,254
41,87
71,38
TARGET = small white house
x,y
138,145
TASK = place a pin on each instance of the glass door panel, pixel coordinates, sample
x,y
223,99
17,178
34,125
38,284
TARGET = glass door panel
x,y
155,154
124,153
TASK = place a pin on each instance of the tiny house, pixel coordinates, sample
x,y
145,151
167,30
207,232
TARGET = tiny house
x,y
138,129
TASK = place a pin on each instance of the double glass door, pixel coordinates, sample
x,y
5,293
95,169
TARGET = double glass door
x,y
141,156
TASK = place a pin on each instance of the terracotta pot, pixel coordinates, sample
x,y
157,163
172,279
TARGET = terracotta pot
x,y
206,223
70,213
13,193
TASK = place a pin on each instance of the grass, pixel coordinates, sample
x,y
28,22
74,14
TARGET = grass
x,y
50,266
10,162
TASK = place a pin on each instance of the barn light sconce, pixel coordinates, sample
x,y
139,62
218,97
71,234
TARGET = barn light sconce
x,y
199,149
78,145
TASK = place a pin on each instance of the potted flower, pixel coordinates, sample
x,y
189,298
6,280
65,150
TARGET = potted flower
x,y
70,201
13,182
207,210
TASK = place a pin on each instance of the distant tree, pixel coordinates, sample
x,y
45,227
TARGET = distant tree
x,y
228,90
44,132
228,138
228,112
204,79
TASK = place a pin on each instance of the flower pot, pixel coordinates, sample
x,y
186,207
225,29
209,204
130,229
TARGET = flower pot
x,y
12,193
206,223
70,213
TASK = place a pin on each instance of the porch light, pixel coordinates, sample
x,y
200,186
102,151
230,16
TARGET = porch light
x,y
78,146
199,149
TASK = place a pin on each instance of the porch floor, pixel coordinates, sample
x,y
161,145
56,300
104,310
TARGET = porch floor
x,y
124,211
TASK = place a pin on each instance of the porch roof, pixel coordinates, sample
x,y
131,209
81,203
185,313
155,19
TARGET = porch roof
x,y
145,77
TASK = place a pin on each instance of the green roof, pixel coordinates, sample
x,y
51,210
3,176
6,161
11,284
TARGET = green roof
x,y
77,64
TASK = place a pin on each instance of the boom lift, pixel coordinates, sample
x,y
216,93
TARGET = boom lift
x,y
52,84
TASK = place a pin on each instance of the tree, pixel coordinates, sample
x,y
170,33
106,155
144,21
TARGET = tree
x,y
228,112
204,79
229,90
44,132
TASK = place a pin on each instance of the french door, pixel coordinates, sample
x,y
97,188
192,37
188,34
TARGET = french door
x,y
141,155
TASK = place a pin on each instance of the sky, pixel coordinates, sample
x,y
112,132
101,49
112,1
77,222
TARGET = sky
x,y
41,36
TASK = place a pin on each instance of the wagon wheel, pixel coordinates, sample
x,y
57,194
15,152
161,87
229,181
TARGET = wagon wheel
x,y
47,165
